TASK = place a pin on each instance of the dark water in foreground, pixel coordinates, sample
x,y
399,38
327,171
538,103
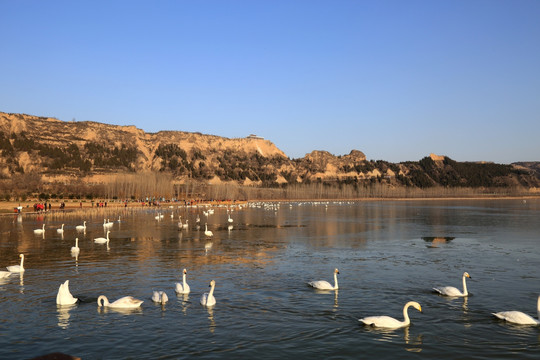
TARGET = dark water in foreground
x,y
387,252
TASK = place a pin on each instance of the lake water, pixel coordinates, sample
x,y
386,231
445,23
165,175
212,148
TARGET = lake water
x,y
387,253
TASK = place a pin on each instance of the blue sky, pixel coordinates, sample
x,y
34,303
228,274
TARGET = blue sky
x,y
394,79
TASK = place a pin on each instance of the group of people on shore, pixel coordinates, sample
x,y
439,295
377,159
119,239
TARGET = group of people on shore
x,y
40,207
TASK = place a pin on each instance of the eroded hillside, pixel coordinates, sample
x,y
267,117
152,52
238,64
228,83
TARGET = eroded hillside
x,y
92,152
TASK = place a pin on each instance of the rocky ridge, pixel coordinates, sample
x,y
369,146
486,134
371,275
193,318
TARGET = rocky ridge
x,y
91,151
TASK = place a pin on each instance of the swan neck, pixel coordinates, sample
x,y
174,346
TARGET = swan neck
x,y
211,293
465,286
22,261
538,308
406,319
335,281
184,279
105,300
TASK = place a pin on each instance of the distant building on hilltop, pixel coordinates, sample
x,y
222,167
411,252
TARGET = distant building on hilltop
x,y
253,136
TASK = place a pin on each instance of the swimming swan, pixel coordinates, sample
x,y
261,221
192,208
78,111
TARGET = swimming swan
x,y
206,231
64,297
517,317
388,322
81,227
208,299
184,287
452,291
61,230
160,297
75,249
4,274
127,302
17,268
325,285
40,231
102,240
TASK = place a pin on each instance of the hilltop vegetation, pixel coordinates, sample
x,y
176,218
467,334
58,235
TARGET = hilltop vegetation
x,y
89,159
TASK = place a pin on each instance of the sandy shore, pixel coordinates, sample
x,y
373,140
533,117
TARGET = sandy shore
x,y
9,207
28,206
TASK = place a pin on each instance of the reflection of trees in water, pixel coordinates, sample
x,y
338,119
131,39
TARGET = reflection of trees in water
x,y
435,241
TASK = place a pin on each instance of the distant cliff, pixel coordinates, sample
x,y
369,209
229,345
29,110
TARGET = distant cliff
x,y
89,152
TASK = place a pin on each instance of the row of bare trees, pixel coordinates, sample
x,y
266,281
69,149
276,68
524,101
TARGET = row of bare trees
x,y
162,185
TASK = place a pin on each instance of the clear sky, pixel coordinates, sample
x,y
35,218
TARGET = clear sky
x,y
395,79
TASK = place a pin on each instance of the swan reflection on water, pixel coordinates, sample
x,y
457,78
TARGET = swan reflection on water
x,y
6,280
212,326
184,298
208,247
126,311
64,315
391,335
416,341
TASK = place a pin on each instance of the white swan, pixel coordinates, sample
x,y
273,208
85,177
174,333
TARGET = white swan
x,y
325,285
119,219
230,219
4,274
186,225
184,287
389,322
102,240
17,268
64,297
517,317
61,230
40,231
160,297
452,291
127,302
81,227
75,249
208,299
206,231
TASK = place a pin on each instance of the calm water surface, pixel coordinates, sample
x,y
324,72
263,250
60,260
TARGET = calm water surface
x,y
387,252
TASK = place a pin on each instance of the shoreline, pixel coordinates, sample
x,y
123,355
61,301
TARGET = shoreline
x,y
9,207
